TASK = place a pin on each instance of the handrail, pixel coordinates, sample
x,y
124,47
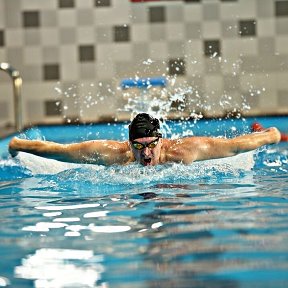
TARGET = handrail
x,y
17,85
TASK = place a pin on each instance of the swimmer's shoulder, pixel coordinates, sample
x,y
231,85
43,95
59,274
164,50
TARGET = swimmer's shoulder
x,y
179,150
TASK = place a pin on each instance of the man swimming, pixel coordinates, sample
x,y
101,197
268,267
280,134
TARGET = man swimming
x,y
146,146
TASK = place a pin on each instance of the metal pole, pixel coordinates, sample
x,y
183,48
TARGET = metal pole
x,y
17,85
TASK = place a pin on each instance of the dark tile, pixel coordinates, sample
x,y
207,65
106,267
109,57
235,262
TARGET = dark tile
x,y
66,4
212,48
51,72
102,3
53,108
281,8
247,28
2,41
86,53
177,66
121,33
31,19
157,14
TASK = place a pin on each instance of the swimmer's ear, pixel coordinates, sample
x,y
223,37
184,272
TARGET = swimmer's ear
x,y
130,145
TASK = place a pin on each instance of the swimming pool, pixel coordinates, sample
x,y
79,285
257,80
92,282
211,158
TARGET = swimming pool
x,y
216,223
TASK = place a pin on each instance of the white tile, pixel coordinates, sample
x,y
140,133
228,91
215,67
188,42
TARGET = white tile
x,y
282,97
247,9
69,62
2,15
211,30
265,27
194,49
230,48
140,33
32,55
3,57
115,52
6,89
50,37
14,37
38,5
105,69
175,31
34,111
193,12
213,83
84,4
86,35
281,44
243,9
112,16
281,80
249,46
40,91
259,85
67,18
159,50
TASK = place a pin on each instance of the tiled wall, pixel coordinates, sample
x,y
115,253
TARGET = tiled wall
x,y
73,54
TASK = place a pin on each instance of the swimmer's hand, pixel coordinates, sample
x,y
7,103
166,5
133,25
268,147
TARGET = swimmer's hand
x,y
13,147
274,133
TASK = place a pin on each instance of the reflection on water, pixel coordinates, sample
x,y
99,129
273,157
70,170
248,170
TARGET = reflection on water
x,y
62,268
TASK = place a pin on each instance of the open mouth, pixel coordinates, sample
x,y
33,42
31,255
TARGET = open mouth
x,y
147,161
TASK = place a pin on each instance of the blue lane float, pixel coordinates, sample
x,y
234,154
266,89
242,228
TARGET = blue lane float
x,y
143,82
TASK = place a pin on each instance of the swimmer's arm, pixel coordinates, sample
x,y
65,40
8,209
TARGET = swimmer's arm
x,y
104,152
211,148
190,149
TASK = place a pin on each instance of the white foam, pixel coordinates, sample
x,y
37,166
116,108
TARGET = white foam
x,y
40,165
244,161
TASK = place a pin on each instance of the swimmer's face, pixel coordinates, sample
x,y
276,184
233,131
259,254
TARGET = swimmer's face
x,y
147,150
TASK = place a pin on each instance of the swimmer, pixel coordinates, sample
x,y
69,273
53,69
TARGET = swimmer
x,y
257,127
146,146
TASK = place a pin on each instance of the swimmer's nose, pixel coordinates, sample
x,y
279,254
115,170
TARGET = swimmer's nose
x,y
146,151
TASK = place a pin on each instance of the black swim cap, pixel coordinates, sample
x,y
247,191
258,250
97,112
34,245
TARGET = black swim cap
x,y
144,125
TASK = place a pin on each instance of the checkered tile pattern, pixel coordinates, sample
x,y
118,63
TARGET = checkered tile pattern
x,y
225,50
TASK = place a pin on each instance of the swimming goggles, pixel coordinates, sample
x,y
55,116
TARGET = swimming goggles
x,y
140,146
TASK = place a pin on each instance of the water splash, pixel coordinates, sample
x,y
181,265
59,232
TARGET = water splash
x,y
67,176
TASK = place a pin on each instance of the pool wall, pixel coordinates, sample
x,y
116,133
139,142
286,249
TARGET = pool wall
x,y
232,53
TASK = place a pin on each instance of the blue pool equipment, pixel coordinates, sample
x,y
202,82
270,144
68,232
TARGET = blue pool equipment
x,y
143,102
143,82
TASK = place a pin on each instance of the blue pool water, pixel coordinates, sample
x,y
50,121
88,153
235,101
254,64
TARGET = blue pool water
x,y
217,223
